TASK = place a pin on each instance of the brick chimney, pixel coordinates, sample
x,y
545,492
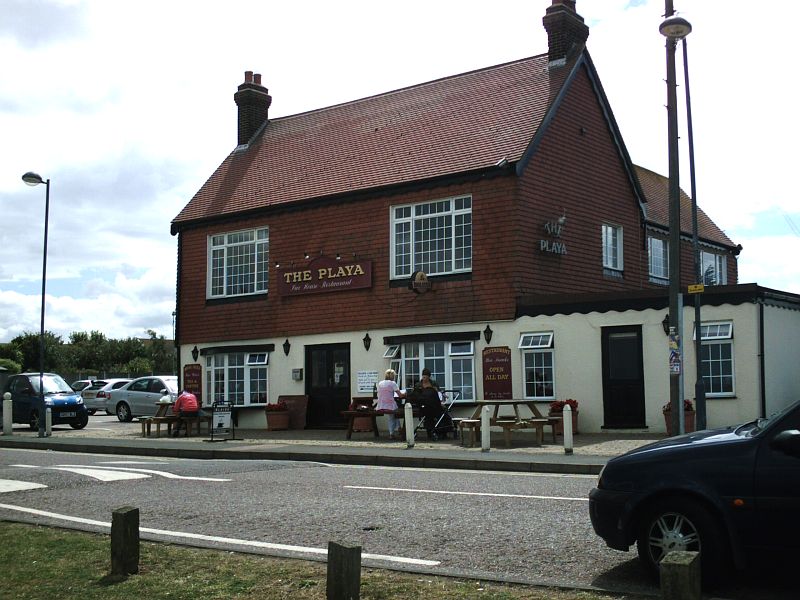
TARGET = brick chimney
x,y
566,31
253,102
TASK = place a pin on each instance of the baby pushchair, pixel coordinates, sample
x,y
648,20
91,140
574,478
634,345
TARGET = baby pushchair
x,y
435,416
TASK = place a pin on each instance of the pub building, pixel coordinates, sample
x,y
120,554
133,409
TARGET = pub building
x,y
489,226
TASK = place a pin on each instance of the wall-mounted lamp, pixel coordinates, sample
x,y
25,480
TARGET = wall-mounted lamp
x,y
277,265
367,342
286,347
562,219
338,256
306,255
195,353
487,334
665,324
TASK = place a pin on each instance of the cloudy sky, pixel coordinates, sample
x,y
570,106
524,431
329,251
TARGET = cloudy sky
x,y
127,106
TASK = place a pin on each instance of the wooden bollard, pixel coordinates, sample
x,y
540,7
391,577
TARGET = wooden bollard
x,y
125,541
344,572
680,576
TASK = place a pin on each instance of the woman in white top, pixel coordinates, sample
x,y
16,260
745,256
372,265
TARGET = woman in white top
x,y
387,389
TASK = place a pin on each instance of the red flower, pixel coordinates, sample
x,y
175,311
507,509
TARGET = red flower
x,y
278,407
558,405
687,406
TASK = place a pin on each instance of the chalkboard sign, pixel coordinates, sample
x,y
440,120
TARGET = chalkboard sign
x,y
222,422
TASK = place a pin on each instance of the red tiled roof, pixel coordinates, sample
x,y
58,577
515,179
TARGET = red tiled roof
x,y
453,125
656,191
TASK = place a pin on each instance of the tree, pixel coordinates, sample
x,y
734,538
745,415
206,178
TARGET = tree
x,y
139,366
161,355
28,345
90,351
10,352
12,366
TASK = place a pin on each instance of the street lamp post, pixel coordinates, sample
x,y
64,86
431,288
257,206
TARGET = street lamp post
x,y
699,387
32,178
674,28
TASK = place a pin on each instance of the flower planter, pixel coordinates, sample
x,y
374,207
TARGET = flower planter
x,y
688,422
559,426
277,420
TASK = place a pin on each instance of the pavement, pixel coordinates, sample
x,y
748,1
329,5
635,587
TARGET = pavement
x,y
590,450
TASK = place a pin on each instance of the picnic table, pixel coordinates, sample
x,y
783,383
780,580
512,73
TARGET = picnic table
x,y
509,423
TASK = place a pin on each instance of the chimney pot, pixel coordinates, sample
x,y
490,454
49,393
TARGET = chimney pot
x,y
248,77
257,78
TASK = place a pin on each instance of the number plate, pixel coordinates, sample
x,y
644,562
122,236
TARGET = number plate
x,y
68,414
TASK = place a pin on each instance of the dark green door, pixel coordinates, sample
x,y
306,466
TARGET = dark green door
x,y
327,384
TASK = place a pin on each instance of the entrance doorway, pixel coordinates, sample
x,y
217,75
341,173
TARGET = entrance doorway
x,y
623,378
327,384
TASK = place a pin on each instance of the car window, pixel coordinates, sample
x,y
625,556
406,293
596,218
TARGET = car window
x,y
157,385
139,385
21,385
96,385
118,384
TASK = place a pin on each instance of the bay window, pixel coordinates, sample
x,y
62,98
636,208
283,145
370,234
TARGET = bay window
x,y
238,378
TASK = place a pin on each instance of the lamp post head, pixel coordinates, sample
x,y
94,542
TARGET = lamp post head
x,y
32,178
675,28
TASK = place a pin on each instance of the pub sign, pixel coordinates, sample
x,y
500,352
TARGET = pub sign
x,y
325,274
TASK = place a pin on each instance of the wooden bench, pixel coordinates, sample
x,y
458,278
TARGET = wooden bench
x,y
196,420
148,422
510,425
474,427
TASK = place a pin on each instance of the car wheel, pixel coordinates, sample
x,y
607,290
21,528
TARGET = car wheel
x,y
124,412
34,420
80,422
684,525
91,411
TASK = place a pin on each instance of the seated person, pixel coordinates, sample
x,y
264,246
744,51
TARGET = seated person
x,y
185,406
426,395
387,390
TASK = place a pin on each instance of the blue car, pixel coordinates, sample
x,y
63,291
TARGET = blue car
x,y
729,494
65,404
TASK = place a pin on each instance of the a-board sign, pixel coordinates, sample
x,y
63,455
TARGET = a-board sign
x,y
497,373
222,422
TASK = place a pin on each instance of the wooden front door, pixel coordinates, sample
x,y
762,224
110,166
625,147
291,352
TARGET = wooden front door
x,y
623,378
327,384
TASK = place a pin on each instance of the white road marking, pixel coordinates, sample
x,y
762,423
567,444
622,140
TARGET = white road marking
x,y
446,492
98,474
132,462
224,540
462,471
10,485
153,472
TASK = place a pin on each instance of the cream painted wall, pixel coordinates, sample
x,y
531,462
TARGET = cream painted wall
x,y
578,360
782,357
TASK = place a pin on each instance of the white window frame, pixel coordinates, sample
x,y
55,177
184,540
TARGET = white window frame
x,y
392,351
612,244
719,264
415,356
220,279
717,334
537,345
219,377
404,242
658,266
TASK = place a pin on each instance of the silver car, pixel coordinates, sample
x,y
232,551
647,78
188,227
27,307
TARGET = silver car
x,y
139,397
95,395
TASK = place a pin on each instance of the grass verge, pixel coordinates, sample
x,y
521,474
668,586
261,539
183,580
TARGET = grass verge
x,y
42,562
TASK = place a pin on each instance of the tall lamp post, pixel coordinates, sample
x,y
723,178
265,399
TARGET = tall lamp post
x,y
699,387
32,178
674,28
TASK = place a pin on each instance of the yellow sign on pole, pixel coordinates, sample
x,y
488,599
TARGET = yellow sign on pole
x,y
697,288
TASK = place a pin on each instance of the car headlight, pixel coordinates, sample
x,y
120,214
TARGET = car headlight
x,y
48,402
79,400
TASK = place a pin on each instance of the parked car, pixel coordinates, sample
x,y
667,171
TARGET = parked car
x,y
138,398
95,395
723,492
66,405
81,384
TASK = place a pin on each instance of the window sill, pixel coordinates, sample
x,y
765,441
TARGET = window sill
x,y
612,273
398,283
236,299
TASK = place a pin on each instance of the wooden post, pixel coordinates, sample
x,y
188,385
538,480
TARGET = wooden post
x,y
344,572
680,576
125,541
